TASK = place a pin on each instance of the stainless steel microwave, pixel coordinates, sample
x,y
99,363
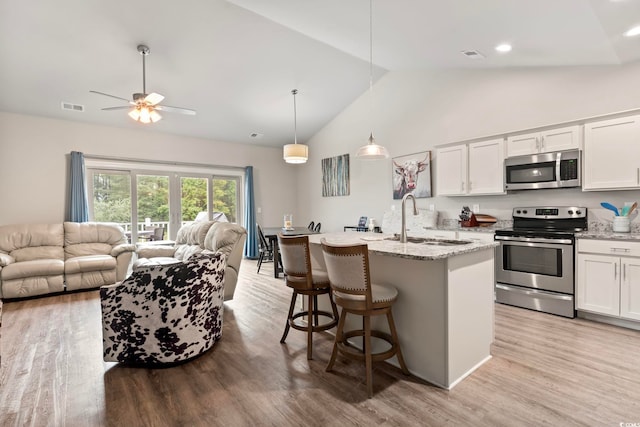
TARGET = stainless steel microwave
x,y
560,169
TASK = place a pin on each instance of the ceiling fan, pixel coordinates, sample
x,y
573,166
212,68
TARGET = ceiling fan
x,y
144,107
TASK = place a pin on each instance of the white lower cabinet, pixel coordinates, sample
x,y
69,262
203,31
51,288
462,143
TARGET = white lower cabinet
x,y
608,278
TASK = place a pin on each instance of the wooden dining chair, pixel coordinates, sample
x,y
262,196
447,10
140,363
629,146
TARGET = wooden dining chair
x,y
307,281
350,279
265,251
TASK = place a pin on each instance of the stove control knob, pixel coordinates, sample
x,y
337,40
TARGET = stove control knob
x,y
578,212
524,212
571,212
518,211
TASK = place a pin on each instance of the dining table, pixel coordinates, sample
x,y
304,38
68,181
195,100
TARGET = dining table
x,y
142,234
271,234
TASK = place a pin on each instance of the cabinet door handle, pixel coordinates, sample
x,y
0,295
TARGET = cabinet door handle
x,y
470,185
620,250
542,143
615,271
462,186
537,143
624,271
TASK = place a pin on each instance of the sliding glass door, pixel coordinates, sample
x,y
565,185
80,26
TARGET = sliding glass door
x,y
167,200
194,198
153,211
225,197
111,197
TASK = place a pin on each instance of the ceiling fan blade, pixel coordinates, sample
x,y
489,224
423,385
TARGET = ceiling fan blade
x,y
180,110
112,96
153,98
123,107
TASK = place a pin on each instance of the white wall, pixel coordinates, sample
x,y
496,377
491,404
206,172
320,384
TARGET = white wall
x,y
415,111
34,155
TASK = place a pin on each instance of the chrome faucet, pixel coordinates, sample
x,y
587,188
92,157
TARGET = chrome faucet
x,y
403,233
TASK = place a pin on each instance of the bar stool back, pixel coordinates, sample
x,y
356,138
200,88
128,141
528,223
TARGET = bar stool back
x,y
349,275
305,280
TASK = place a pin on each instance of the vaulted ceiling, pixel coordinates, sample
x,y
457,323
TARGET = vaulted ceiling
x,y
236,61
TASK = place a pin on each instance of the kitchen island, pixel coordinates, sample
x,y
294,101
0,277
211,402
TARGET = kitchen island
x,y
444,311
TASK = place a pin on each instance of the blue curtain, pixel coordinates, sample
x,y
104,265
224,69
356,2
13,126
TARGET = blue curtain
x,y
78,203
251,245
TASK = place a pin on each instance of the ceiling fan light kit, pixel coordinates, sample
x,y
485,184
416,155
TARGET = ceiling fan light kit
x,y
145,115
295,153
144,107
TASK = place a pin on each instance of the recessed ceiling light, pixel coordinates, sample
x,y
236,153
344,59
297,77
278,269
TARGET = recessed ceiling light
x,y
633,31
503,47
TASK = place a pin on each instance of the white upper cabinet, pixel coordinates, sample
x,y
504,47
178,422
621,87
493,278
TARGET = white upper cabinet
x,y
451,175
473,168
612,154
486,167
557,139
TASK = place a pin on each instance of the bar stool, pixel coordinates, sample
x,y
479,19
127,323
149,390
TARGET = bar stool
x,y
348,269
304,280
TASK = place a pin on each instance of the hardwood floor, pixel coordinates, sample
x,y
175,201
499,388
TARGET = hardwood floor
x,y
545,370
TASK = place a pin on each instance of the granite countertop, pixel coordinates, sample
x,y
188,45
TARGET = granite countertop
x,y
607,235
456,227
379,245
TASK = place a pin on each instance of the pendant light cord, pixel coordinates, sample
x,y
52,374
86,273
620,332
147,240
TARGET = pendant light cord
x,y
295,117
371,69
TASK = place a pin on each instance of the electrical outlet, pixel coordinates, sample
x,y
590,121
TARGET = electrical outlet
x,y
476,208
432,207
259,210
393,207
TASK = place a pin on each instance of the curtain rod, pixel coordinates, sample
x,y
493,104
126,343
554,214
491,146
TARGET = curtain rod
x,y
160,162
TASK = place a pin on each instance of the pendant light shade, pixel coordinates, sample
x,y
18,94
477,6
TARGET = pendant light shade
x,y
371,151
295,153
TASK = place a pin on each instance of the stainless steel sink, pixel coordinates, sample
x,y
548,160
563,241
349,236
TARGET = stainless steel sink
x,y
430,241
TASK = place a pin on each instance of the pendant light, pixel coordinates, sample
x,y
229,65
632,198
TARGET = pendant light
x,y
371,151
295,153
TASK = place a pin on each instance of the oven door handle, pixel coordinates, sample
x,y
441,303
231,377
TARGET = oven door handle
x,y
534,240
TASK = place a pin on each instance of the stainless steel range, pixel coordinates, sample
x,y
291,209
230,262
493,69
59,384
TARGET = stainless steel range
x,y
535,259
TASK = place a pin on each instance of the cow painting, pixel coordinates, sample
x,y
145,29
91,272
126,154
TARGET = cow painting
x,y
412,174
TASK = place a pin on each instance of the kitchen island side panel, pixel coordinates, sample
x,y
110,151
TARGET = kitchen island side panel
x,y
419,312
470,317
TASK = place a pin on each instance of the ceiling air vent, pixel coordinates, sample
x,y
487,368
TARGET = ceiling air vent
x,y
72,107
473,54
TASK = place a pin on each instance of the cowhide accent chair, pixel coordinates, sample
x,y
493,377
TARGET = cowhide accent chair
x,y
164,314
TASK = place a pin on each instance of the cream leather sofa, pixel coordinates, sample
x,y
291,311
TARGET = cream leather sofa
x,y
37,259
201,237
